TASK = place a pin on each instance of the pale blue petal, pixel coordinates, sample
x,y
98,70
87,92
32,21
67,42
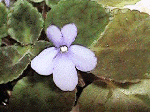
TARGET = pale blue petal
x,y
54,35
83,57
64,73
69,33
7,2
43,63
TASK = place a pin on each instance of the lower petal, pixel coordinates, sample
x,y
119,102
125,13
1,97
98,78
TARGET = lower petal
x,y
65,74
83,58
43,63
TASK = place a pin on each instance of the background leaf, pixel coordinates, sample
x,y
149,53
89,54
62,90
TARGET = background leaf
x,y
36,1
3,21
123,50
140,90
12,63
89,17
39,93
102,97
51,3
116,3
93,98
38,47
25,22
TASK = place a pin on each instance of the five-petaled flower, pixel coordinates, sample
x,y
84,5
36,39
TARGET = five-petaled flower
x,y
63,59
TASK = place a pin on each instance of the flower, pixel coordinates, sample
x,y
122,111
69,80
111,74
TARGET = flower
x,y
63,59
7,2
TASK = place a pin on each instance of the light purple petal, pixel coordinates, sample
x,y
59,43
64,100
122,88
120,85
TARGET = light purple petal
x,y
54,35
43,63
65,74
69,33
83,58
7,2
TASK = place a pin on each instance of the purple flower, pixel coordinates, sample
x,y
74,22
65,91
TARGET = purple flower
x,y
63,59
7,2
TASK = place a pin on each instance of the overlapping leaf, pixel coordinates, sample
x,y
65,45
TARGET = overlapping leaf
x,y
39,93
3,21
12,63
104,98
25,22
51,3
140,90
36,1
89,17
38,47
117,3
123,51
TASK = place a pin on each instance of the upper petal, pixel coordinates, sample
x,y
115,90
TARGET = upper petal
x,y
65,74
43,63
7,2
83,58
69,33
54,35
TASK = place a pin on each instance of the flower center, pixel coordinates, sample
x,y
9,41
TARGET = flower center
x,y
63,49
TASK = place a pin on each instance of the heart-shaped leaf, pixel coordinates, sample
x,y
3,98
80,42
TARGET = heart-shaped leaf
x,y
102,97
12,63
123,51
39,93
89,17
25,22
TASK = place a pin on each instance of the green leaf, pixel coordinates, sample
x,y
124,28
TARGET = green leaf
x,y
15,59
140,90
38,47
37,1
117,3
123,51
3,21
93,98
120,102
25,22
12,63
40,93
89,17
51,3
104,98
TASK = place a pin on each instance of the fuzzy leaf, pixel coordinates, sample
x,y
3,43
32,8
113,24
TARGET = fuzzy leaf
x,y
100,98
89,17
40,93
122,103
117,3
14,59
51,3
93,98
36,1
12,63
3,21
38,47
25,22
123,51
140,90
